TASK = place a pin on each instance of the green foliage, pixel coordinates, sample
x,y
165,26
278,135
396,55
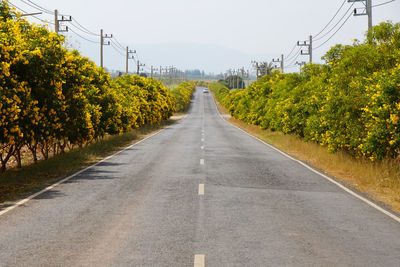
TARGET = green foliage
x,y
182,95
52,97
352,103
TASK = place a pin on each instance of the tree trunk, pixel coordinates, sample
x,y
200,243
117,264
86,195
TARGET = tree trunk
x,y
4,160
55,148
17,156
45,150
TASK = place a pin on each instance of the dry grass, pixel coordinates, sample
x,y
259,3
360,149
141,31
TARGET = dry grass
x,y
379,180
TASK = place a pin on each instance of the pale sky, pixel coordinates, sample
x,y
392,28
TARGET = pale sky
x,y
214,35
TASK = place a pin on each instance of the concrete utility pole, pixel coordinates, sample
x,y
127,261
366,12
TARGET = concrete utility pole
x,y
237,79
151,71
128,52
138,67
102,37
57,22
101,48
56,25
257,67
279,60
301,64
368,10
309,46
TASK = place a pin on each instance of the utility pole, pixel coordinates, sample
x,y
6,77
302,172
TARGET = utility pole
x,y
257,67
367,10
102,37
237,79
56,25
57,21
309,46
138,67
279,60
151,71
128,52
301,64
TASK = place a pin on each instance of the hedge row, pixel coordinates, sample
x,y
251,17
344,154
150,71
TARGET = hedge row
x,y
182,95
350,103
52,97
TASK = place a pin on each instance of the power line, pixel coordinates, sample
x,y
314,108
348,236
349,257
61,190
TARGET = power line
x,y
335,24
44,9
335,32
20,9
388,2
288,55
337,12
118,43
84,29
37,7
290,58
84,38
295,58
116,49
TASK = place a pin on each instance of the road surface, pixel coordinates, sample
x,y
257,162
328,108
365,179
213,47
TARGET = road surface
x,y
199,192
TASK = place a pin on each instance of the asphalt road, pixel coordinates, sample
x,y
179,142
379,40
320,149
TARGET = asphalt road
x,y
201,189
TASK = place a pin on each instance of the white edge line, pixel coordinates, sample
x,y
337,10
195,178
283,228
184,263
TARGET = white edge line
x,y
25,200
372,204
199,260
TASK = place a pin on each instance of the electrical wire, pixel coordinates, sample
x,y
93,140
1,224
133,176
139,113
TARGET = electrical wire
x,y
42,8
20,9
116,49
388,2
84,29
298,51
118,43
335,32
337,12
288,55
84,38
37,7
295,58
341,19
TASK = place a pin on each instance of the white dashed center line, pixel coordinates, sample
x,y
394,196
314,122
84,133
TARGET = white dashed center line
x,y
201,189
202,147
199,260
201,161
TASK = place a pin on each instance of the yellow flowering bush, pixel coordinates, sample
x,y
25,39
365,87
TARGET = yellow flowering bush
x,y
351,103
52,97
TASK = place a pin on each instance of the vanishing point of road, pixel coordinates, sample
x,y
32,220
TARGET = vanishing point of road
x,y
199,193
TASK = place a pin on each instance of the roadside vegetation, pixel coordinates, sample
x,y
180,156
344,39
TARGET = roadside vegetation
x,y
182,94
349,107
59,111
